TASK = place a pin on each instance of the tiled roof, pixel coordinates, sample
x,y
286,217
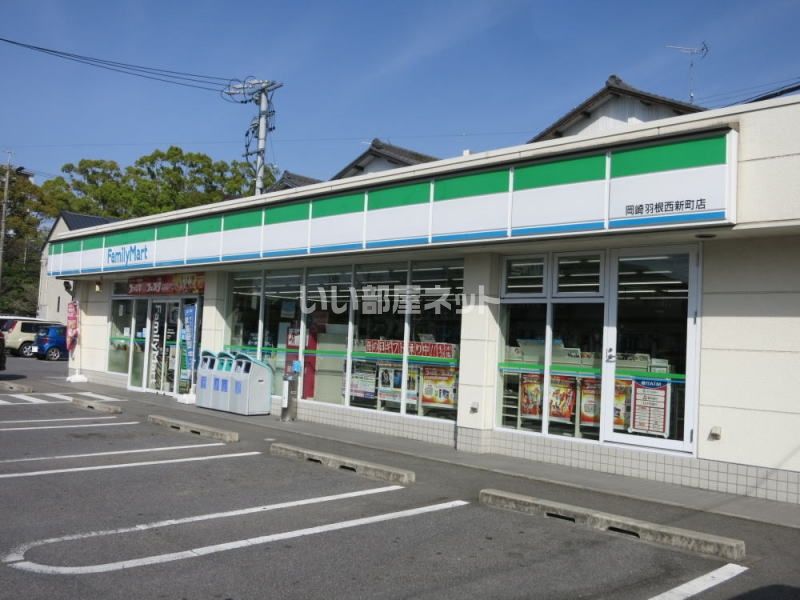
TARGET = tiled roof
x,y
614,87
290,180
75,221
402,157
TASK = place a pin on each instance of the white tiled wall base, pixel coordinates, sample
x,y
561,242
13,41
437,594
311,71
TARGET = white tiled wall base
x,y
104,377
433,431
743,480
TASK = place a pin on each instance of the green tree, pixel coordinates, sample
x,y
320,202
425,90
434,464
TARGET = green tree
x,y
22,249
162,181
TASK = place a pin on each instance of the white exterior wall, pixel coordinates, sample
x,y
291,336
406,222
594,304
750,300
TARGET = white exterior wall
x,y
769,166
750,357
53,298
617,114
214,333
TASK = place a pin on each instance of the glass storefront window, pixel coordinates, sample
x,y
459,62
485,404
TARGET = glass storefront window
x,y
522,368
244,313
120,335
379,323
435,334
575,371
327,313
578,274
525,276
652,313
281,341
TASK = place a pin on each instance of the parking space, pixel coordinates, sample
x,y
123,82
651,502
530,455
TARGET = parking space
x,y
126,503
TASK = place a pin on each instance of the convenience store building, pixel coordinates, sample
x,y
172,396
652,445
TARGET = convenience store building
x,y
624,301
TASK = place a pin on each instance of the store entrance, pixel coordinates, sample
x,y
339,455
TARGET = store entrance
x,y
164,345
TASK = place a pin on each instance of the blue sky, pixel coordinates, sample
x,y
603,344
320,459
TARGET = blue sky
x,y
438,76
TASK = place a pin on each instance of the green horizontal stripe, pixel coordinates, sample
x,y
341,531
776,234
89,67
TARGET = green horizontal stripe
x,y
432,360
667,157
329,353
207,225
478,184
93,243
130,237
171,231
574,370
240,220
510,366
403,195
338,205
649,374
287,213
574,170
377,356
72,246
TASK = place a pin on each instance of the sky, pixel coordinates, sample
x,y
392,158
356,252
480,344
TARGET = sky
x,y
436,76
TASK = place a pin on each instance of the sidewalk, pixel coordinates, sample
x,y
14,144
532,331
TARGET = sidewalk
x,y
753,509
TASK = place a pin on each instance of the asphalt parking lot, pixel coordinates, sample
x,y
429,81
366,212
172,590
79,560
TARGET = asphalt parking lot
x,y
100,505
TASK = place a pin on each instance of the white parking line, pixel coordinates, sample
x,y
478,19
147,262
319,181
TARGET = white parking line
x,y
54,420
5,402
126,465
90,454
14,559
100,397
18,553
26,398
59,397
702,583
69,426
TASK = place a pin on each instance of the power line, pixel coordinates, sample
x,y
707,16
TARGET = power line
x,y
195,80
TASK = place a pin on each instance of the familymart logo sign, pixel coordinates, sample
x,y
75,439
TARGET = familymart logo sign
x,y
123,256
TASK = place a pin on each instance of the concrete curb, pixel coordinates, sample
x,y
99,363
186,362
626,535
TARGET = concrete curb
x,y
334,461
15,387
686,539
201,430
98,406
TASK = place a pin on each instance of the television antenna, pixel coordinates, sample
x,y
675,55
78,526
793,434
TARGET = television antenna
x,y
700,51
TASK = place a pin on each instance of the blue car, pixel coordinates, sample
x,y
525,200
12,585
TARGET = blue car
x,y
51,343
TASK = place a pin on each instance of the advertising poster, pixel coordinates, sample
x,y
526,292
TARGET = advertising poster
x,y
530,395
183,284
590,401
72,325
439,386
563,391
622,399
156,346
412,385
390,381
362,383
187,341
650,407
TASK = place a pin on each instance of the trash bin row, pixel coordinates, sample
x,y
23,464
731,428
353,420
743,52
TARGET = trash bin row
x,y
234,383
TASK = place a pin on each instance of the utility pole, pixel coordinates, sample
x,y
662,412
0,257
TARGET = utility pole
x,y
3,215
258,91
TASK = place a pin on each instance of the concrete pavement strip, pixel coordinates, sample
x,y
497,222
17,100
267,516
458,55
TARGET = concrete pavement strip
x,y
201,430
334,461
95,405
15,387
686,539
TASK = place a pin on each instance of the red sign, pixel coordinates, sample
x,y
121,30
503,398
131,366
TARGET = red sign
x,y
73,312
432,349
177,284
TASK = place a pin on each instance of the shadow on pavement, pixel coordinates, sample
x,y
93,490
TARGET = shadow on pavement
x,y
770,592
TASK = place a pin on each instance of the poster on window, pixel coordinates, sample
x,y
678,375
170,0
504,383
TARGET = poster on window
x,y
362,382
563,391
390,381
622,400
590,401
530,395
187,341
73,327
439,387
650,407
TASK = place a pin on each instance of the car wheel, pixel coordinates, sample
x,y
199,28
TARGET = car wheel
x,y
53,354
26,349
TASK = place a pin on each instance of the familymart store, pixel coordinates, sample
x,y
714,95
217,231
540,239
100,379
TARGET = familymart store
x,y
545,301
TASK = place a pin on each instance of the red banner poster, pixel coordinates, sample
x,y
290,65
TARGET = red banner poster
x,y
73,324
177,284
